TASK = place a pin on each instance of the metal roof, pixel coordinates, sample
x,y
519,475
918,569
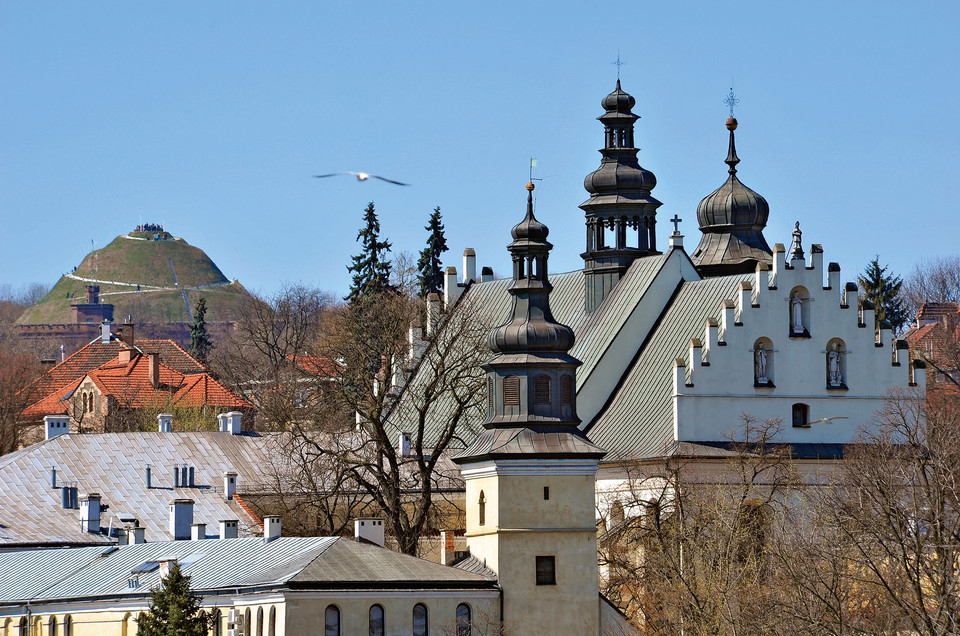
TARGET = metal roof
x,y
114,465
217,564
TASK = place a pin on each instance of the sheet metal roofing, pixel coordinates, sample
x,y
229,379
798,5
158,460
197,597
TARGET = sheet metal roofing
x,y
114,465
214,564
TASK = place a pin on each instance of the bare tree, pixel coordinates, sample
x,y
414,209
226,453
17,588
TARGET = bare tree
x,y
19,368
935,280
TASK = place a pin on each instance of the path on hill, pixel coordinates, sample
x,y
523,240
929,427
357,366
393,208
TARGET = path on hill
x,y
141,287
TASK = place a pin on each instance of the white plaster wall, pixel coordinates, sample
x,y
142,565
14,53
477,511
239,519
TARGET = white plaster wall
x,y
724,391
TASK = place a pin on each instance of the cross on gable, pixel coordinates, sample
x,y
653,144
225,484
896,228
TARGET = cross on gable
x,y
676,223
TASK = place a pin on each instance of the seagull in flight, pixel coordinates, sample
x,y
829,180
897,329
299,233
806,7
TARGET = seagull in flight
x,y
361,176
825,420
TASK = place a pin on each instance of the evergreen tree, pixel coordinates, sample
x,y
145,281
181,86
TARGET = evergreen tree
x,y
430,273
174,608
371,271
883,290
200,343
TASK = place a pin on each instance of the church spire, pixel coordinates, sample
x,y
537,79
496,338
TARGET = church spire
x,y
621,213
732,219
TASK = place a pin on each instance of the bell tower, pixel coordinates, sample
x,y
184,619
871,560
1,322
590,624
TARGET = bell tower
x,y
621,212
531,475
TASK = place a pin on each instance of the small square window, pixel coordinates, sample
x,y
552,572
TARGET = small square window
x,y
546,570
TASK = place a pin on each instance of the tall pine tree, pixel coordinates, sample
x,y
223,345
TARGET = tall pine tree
x,y
883,290
200,343
174,608
371,270
430,272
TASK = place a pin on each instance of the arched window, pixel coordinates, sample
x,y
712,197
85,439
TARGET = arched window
x,y
68,625
616,513
763,362
541,389
217,623
801,415
511,391
52,626
247,625
421,621
482,509
259,621
751,530
376,621
272,622
836,364
463,620
566,389
24,627
331,621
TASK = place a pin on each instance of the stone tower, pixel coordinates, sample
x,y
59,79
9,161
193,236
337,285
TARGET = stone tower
x,y
732,219
621,213
530,476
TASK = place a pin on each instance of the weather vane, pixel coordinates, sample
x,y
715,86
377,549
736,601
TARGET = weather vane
x,y
731,100
619,64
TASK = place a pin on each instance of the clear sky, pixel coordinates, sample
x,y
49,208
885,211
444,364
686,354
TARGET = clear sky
x,y
211,117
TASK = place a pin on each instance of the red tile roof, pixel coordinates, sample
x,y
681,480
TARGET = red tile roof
x,y
315,365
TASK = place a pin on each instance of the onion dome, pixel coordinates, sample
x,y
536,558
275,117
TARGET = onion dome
x,y
530,229
732,219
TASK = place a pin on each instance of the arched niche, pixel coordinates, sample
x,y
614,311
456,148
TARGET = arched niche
x,y
835,359
798,312
763,362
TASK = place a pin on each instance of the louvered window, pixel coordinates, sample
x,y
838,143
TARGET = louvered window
x,y
541,390
566,389
511,391
490,393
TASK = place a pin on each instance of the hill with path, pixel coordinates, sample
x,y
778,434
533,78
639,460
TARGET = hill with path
x,y
146,275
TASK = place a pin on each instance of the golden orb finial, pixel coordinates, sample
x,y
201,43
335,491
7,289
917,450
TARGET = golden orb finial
x,y
732,123
530,186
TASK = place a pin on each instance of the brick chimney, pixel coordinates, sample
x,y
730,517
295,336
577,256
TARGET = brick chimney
x,y
153,369
127,333
93,294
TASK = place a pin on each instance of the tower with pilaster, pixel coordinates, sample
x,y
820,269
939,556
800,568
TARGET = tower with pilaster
x,y
531,474
621,211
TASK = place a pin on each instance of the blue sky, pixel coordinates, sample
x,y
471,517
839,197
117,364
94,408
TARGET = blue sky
x,y
211,117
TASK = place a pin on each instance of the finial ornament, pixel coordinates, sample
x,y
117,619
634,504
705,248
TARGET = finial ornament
x,y
796,250
676,223
618,64
731,100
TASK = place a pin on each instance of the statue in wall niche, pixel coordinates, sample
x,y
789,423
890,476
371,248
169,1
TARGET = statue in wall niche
x,y
834,377
796,313
760,365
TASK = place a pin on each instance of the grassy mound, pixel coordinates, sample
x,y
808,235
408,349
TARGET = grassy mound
x,y
134,274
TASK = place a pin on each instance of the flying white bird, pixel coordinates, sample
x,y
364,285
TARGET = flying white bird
x,y
825,420
361,176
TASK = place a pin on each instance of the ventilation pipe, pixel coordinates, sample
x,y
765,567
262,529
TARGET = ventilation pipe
x,y
147,478
53,477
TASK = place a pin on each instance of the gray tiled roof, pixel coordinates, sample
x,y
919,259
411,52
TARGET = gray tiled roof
x,y
214,564
113,464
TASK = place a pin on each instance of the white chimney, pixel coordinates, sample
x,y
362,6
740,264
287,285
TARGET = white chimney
x,y
469,265
198,531
450,289
229,529
181,518
433,313
135,535
486,274
55,425
230,422
165,422
229,484
369,530
404,444
90,513
165,566
105,332
271,528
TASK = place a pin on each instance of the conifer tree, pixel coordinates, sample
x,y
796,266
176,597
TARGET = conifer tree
x,y
174,608
430,273
883,290
200,343
371,270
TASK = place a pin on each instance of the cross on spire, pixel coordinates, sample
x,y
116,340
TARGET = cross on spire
x,y
676,223
618,64
731,100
